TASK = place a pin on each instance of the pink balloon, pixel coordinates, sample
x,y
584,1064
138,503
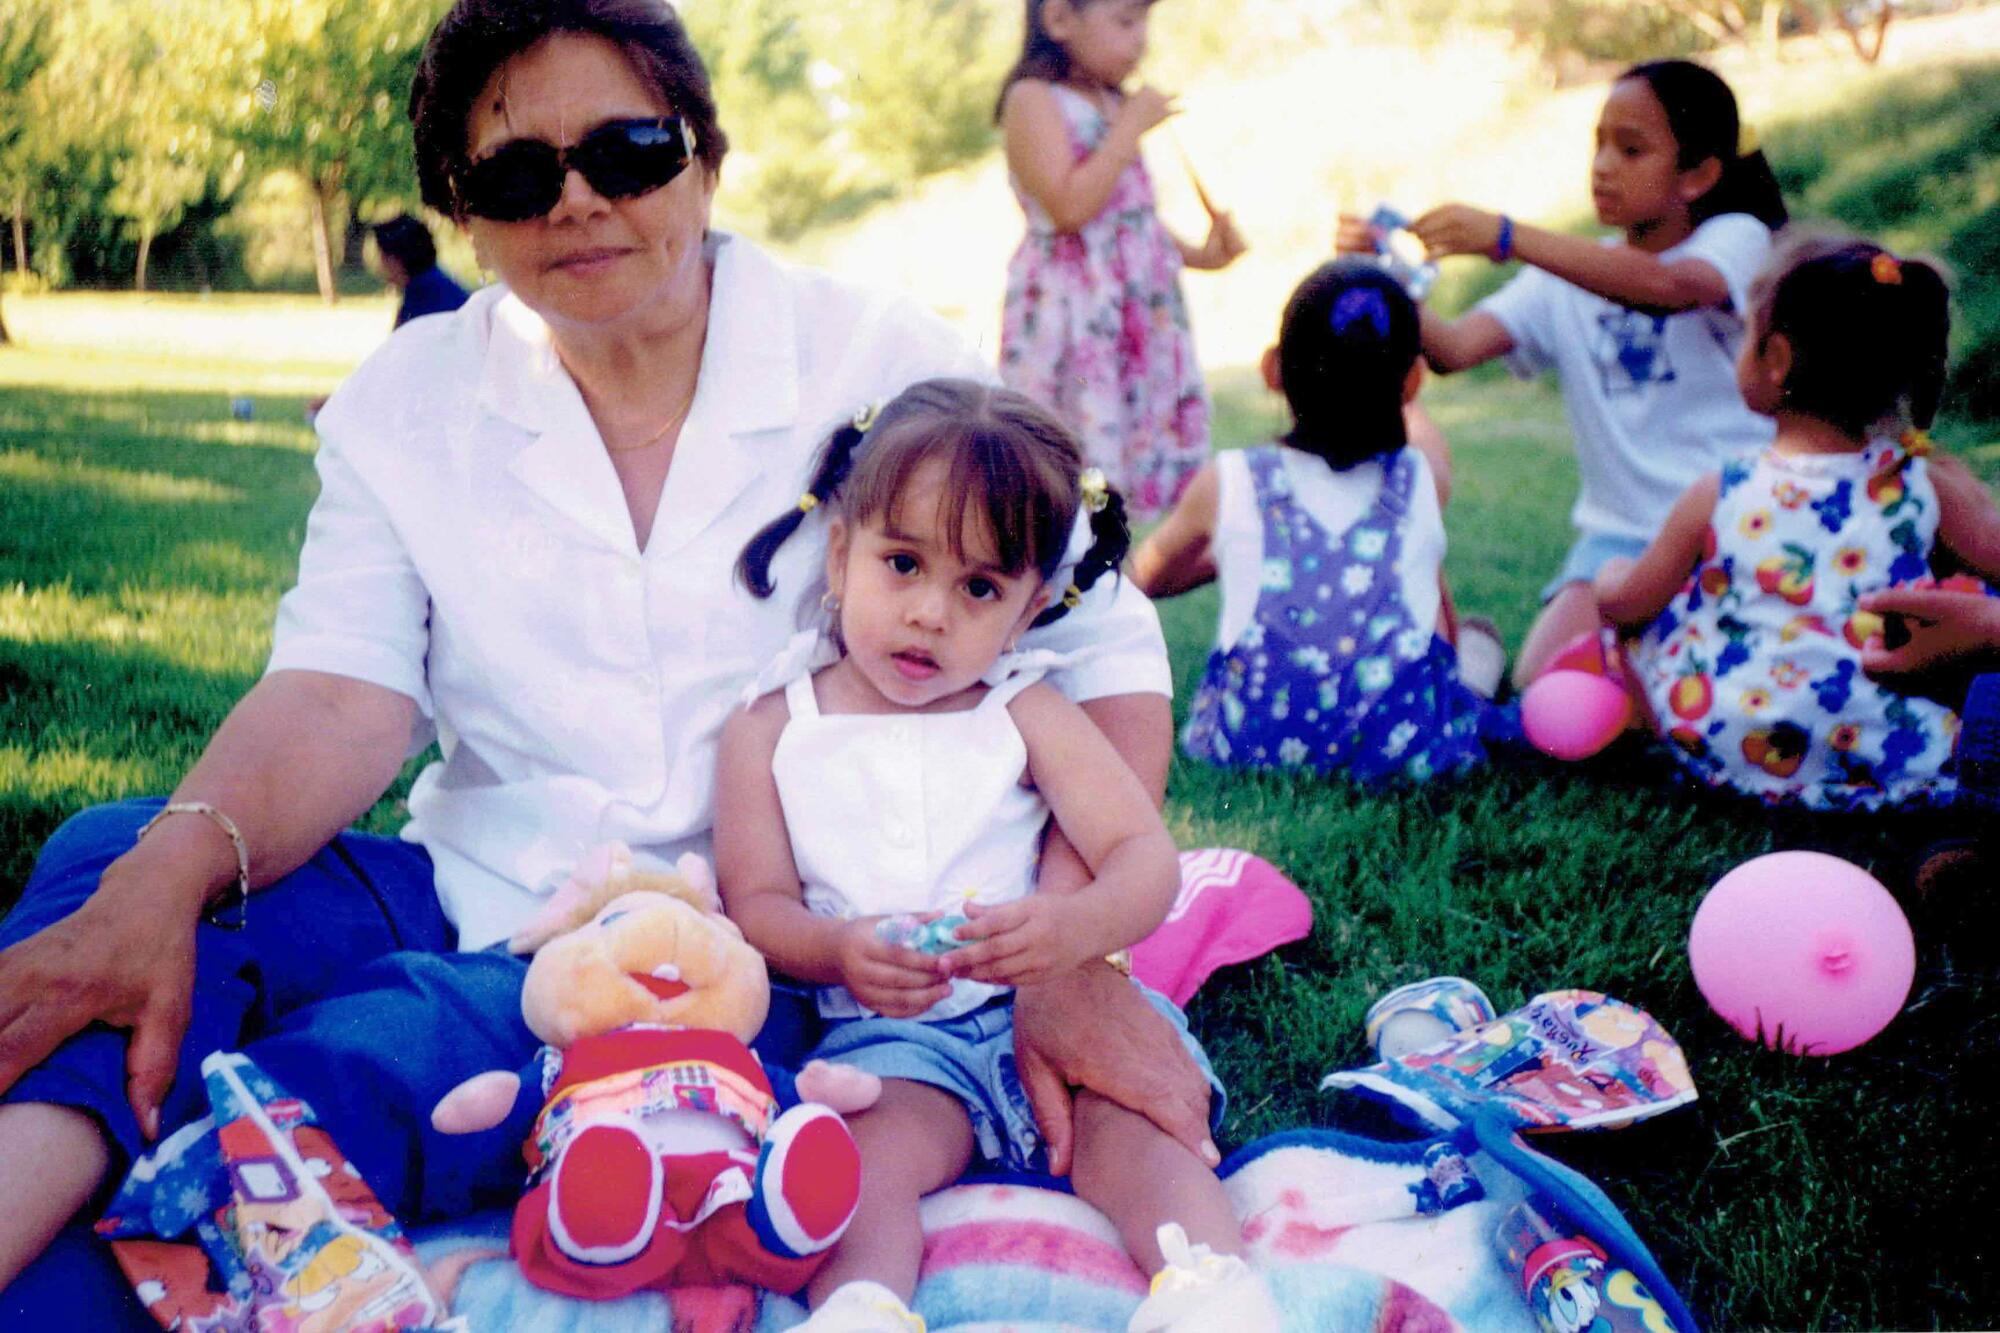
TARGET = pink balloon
x,y
1574,714
1803,952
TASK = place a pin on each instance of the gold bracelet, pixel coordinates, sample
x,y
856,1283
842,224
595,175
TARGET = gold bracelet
x,y
228,826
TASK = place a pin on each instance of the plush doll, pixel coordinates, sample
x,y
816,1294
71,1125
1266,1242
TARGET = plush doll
x,y
660,1157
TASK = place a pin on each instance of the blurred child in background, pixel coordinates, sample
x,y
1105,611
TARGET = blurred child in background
x,y
1748,602
1095,327
1642,331
1333,650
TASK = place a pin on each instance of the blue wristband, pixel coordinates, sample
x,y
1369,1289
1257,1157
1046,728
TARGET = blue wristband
x,y
1503,248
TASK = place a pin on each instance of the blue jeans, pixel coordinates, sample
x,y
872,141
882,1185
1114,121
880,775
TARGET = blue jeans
x,y
343,987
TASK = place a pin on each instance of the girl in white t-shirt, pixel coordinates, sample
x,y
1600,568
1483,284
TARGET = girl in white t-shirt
x,y
1334,649
879,821
1643,333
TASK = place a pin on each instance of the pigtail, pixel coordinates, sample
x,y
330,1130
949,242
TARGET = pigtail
x,y
753,567
1110,539
1927,310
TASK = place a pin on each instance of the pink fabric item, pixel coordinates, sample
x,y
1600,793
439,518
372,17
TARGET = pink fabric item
x,y
1232,907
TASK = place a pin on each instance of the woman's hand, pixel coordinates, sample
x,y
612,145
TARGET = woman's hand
x,y
1022,943
1952,637
1092,1028
893,981
1458,229
125,959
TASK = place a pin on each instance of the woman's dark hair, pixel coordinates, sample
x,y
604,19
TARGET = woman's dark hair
x,y
1042,56
1868,331
1349,337
1701,112
1011,468
477,37
408,242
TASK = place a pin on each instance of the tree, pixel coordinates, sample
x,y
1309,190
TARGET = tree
x,y
24,53
321,93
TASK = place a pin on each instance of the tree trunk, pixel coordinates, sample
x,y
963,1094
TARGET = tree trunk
x,y
322,253
1773,17
4,339
21,232
1709,25
1867,44
145,250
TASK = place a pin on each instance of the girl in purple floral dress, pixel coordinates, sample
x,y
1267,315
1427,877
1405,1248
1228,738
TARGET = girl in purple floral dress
x,y
1094,326
1332,650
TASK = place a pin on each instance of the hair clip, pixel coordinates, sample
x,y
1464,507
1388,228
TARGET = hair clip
x,y
808,502
864,416
1886,269
1358,303
1072,597
1916,443
1096,490
1747,140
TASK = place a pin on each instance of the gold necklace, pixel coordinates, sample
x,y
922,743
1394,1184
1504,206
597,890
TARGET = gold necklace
x,y
665,426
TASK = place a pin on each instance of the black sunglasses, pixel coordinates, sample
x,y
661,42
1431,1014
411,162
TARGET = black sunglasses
x,y
523,178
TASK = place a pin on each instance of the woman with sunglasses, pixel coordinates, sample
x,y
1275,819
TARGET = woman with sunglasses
x,y
529,514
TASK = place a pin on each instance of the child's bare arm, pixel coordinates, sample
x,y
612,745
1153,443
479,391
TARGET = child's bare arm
x,y
1622,273
1630,596
1425,437
1104,811
1452,345
1180,553
1968,519
761,892
1070,191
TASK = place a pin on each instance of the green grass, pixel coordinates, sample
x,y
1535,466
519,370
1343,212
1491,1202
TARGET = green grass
x,y
145,536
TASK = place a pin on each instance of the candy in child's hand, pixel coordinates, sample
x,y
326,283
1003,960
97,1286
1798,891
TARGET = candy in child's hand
x,y
933,936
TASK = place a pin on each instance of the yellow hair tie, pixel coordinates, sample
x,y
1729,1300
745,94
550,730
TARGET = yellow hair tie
x,y
1916,443
808,502
1096,490
1747,141
864,416
1072,598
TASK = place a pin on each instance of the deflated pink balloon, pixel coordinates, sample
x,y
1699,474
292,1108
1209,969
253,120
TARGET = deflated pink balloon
x,y
1574,714
1803,952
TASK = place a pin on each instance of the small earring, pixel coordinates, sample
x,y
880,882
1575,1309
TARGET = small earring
x,y
829,602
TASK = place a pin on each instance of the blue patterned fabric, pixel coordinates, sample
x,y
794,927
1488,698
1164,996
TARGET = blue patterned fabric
x,y
1333,673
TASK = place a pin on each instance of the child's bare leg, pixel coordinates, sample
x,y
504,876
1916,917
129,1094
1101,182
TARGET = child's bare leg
x,y
915,1139
52,1159
1132,1172
1572,611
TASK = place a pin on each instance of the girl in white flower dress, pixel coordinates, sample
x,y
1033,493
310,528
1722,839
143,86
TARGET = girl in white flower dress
x,y
1747,603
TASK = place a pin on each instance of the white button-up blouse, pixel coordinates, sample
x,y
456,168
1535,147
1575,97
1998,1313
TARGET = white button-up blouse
x,y
471,549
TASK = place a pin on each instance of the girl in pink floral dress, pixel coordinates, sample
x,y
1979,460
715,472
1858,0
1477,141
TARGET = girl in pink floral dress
x,y
1095,326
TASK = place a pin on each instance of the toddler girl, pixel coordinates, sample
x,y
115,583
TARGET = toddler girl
x,y
1094,325
1642,331
1749,655
1331,651
914,777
